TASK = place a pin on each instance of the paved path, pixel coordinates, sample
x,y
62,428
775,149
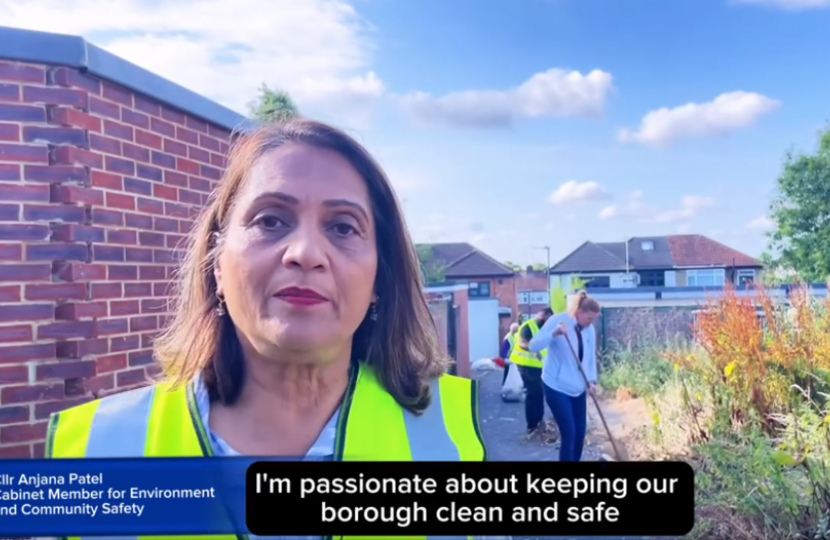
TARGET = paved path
x,y
503,428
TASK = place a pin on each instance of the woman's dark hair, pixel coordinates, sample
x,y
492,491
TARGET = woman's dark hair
x,y
401,344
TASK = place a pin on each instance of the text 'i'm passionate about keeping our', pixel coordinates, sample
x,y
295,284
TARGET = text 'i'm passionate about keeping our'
x,y
501,498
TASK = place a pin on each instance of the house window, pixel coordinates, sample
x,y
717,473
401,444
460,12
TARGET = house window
x,y
540,298
479,289
597,282
742,277
652,278
523,298
710,277
647,245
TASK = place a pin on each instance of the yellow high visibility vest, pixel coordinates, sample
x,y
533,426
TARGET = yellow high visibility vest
x,y
155,421
511,339
523,357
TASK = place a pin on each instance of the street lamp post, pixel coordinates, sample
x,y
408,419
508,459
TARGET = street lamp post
x,y
547,275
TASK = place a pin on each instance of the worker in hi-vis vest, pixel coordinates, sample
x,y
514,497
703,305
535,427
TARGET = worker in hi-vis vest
x,y
530,367
298,330
507,345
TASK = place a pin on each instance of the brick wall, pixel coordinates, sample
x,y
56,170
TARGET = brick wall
x,y
97,187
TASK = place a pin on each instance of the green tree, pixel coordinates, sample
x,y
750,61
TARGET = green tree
x,y
800,212
273,106
513,266
431,269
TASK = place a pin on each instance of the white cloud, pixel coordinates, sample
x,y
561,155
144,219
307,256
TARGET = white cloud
x,y
788,4
318,50
762,223
573,191
553,93
722,116
637,209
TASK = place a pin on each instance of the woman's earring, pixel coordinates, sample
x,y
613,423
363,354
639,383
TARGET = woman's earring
x,y
220,308
373,312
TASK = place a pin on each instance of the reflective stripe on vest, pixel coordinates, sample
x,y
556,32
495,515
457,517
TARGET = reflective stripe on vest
x,y
156,421
523,357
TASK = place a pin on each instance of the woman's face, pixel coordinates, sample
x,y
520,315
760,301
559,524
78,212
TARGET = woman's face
x,y
298,264
586,318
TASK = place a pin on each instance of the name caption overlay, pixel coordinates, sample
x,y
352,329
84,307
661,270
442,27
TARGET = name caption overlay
x,y
470,499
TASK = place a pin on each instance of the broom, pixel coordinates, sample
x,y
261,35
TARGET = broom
x,y
617,453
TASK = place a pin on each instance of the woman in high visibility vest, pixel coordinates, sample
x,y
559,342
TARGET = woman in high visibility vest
x,y
299,329
565,390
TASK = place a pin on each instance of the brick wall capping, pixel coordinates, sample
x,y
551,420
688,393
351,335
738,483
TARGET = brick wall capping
x,y
74,51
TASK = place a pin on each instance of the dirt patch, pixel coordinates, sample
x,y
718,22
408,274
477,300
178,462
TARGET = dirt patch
x,y
628,418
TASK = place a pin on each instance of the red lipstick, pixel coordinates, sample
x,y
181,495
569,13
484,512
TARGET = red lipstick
x,y
301,297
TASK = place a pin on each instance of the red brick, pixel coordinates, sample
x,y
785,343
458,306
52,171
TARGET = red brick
x,y
25,272
54,212
9,212
82,348
9,92
152,206
18,192
174,178
152,273
122,236
10,293
75,311
187,135
55,173
148,139
109,327
129,116
141,358
56,291
55,135
77,233
74,271
9,132
14,414
138,290
120,200
121,308
34,392
199,155
165,192
66,330
57,252
55,96
131,377
119,95
72,78
77,195
11,252
26,312
218,160
103,216
208,142
104,108
188,166
19,451
118,130
118,165
210,172
66,116
14,374
143,323
9,171
104,144
81,369
106,180
97,386
197,125
24,153
71,155
136,153
162,127
16,333
22,73
121,272
113,362
106,290
23,433
45,410
190,197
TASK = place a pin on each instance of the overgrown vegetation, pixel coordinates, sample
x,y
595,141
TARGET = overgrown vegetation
x,y
747,405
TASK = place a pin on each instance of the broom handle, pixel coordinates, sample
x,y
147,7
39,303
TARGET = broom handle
x,y
596,401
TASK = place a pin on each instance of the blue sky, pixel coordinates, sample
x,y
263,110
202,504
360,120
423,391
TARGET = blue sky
x,y
516,123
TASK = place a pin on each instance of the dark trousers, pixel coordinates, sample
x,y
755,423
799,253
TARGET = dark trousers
x,y
506,371
571,416
534,397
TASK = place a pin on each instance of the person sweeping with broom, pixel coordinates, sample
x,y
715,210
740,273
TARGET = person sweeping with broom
x,y
568,338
